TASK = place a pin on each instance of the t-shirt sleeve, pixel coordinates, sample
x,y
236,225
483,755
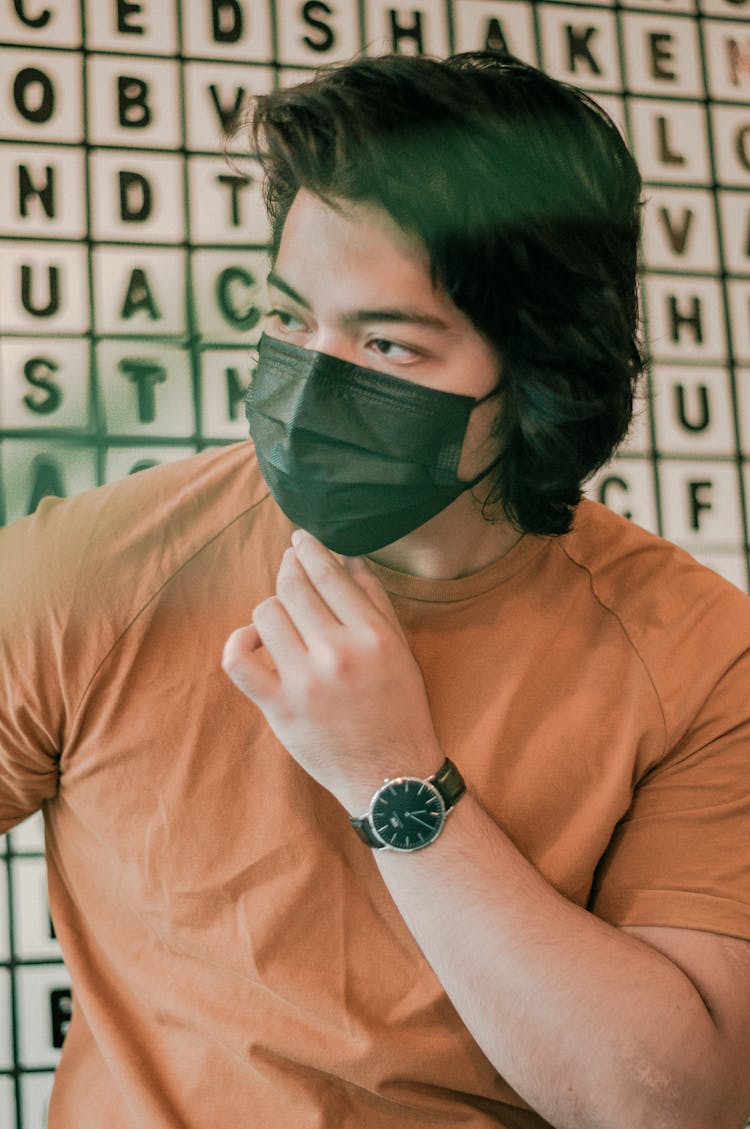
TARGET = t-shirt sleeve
x,y
681,855
73,576
53,630
37,576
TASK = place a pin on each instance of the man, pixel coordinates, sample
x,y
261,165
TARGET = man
x,y
542,917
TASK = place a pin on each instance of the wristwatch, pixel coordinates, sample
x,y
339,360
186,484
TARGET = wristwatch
x,y
408,813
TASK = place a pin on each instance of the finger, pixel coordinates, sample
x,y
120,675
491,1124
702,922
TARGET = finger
x,y
242,660
279,636
362,575
348,601
310,614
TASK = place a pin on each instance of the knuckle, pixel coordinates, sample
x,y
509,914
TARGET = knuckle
x,y
334,663
266,611
372,641
376,645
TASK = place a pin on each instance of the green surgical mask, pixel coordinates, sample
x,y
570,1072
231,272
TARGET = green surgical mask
x,y
356,457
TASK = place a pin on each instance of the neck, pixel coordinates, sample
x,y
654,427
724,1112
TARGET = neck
x,y
456,542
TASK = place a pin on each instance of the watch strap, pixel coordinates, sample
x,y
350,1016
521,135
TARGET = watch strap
x,y
363,830
449,783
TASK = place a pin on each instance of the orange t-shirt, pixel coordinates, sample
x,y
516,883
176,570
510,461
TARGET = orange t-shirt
x,y
236,959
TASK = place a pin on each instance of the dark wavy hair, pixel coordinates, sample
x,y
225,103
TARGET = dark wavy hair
x,y
528,202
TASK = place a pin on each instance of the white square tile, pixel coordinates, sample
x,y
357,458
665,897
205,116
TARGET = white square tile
x,y
137,197
145,388
43,24
218,94
580,46
35,1094
226,204
418,27
739,317
7,1102
42,95
42,192
719,7
5,945
227,29
685,319
693,410
44,383
33,468
728,59
230,294
731,127
34,937
44,288
662,55
28,836
225,375
701,503
44,1010
140,291
133,102
742,377
734,207
6,1036
670,141
147,27
679,230
508,24
668,6
317,32
626,486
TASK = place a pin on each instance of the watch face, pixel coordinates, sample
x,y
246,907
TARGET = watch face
x,y
407,814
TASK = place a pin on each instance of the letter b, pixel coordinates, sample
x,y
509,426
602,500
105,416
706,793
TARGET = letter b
x,y
133,110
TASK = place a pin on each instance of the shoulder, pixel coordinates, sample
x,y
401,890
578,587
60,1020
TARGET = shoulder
x,y
688,625
635,571
76,571
170,508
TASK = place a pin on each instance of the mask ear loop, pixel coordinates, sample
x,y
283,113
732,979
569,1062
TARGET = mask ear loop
x,y
483,399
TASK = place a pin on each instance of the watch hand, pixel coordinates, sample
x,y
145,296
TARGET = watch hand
x,y
411,815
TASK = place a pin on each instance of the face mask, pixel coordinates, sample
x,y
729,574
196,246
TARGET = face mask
x,y
356,457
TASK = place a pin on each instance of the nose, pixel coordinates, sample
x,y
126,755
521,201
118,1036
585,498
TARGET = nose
x,y
333,342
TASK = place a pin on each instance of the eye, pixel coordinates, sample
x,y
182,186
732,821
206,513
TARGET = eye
x,y
392,351
285,322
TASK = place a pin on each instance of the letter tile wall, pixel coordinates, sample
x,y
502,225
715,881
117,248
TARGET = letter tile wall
x,y
132,269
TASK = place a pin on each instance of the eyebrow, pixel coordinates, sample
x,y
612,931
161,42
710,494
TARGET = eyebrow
x,y
359,317
278,282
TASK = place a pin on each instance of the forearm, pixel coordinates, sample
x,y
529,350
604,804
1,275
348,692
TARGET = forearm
x,y
592,1027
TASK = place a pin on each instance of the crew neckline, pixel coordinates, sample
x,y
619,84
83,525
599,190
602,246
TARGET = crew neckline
x,y
427,590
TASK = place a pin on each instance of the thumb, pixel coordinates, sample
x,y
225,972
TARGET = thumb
x,y
243,660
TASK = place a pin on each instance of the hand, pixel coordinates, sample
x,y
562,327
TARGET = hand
x,y
343,692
